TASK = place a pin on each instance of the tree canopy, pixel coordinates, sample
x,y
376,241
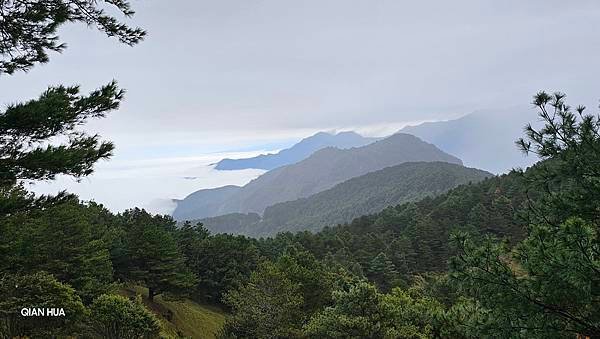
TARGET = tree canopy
x,y
28,28
549,284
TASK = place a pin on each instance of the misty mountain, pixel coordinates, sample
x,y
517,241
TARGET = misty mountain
x,y
322,170
483,139
363,195
297,152
204,202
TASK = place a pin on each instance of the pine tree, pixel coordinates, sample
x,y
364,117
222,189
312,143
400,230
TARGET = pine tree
x,y
29,130
151,254
269,306
382,272
39,290
63,241
116,317
28,28
548,285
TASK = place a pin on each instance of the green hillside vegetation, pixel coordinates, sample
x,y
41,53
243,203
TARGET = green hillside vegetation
x,y
514,256
463,264
182,318
367,194
235,223
322,170
414,236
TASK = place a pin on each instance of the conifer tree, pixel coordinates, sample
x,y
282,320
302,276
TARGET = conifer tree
x,y
28,28
382,272
549,284
28,32
116,317
38,290
63,241
151,254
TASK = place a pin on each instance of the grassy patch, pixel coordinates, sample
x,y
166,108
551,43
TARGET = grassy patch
x,y
184,318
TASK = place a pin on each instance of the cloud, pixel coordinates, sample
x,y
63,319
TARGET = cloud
x,y
216,76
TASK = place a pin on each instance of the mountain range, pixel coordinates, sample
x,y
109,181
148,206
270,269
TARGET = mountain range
x,y
320,171
363,195
297,152
482,139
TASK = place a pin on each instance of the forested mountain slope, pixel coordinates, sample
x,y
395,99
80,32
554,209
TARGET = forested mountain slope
x,y
297,152
322,170
414,236
367,194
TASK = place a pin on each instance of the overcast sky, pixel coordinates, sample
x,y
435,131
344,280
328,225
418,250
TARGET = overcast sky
x,y
243,75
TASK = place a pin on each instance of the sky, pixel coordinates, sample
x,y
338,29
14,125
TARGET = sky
x,y
247,76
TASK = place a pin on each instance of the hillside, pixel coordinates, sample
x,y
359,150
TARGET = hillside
x,y
366,194
483,139
234,223
205,202
322,170
415,235
182,318
297,152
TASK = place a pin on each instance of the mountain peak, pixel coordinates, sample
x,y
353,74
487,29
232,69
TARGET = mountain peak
x,y
322,170
297,152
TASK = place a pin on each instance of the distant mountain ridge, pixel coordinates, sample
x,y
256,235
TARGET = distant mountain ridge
x,y
297,152
205,202
482,139
322,170
363,195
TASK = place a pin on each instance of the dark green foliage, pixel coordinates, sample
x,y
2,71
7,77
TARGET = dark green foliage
x,y
38,141
234,223
64,240
38,290
151,254
382,271
116,317
315,279
269,306
548,285
221,262
570,144
27,32
28,28
366,194
414,236
279,297
360,311
26,128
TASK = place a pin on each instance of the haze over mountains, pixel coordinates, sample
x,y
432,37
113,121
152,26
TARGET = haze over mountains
x,y
297,152
363,195
483,139
322,170
299,193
